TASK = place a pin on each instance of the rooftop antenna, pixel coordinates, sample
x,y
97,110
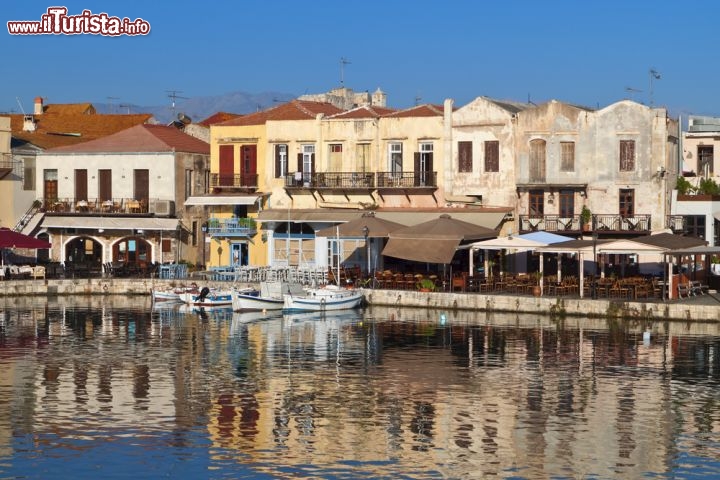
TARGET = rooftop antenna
x,y
530,101
418,99
110,101
20,105
654,75
125,105
173,94
632,91
343,61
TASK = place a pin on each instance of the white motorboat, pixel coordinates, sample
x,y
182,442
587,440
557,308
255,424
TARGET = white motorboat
x,y
329,297
269,297
207,298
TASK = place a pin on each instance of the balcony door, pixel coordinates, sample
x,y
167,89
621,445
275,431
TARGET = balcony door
x,y
81,186
627,203
248,165
227,165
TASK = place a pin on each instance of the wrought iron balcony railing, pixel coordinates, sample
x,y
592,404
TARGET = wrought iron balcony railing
x,y
235,226
611,223
239,180
371,180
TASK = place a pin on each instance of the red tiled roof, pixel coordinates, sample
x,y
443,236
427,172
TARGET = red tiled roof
x,y
293,110
218,117
426,110
56,130
364,112
141,138
69,108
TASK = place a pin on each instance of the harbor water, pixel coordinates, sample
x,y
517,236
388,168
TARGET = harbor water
x,y
114,387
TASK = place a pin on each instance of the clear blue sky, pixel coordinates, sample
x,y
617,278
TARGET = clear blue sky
x,y
578,51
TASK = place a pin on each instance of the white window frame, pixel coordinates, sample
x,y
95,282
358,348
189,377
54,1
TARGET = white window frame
x,y
395,149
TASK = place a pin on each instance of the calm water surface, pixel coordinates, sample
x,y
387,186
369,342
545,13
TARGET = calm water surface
x,y
114,388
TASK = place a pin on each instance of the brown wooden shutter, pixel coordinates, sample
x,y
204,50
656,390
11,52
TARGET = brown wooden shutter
x,y
81,186
416,169
312,163
299,164
464,156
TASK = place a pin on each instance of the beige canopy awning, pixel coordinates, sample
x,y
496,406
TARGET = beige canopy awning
x,y
111,223
222,200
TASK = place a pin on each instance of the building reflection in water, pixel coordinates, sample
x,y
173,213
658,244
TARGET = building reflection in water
x,y
457,394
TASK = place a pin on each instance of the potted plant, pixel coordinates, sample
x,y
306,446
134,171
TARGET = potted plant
x,y
586,217
426,285
537,276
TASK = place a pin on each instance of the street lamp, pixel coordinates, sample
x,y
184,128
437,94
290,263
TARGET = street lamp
x,y
366,232
595,269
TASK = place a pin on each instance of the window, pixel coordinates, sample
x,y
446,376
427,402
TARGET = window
x,y
705,159
188,183
627,203
464,156
281,160
627,155
363,156
424,165
695,226
567,156
567,203
492,156
28,174
335,157
306,162
536,203
50,189
537,160
395,157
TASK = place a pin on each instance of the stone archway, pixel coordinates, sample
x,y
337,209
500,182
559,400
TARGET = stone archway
x,y
83,256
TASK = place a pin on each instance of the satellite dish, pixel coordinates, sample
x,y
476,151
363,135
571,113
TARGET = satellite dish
x,y
184,118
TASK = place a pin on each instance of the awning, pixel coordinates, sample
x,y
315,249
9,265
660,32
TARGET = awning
x,y
111,223
421,250
309,215
222,200
491,220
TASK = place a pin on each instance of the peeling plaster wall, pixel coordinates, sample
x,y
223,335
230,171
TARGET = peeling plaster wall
x,y
479,121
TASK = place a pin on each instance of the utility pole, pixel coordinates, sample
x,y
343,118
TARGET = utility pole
x,y
343,61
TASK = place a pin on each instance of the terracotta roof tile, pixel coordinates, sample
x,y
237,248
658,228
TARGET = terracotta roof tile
x,y
425,110
293,110
55,130
364,112
69,108
141,138
218,117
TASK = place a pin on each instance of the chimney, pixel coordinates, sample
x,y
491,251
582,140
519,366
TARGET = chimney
x,y
38,105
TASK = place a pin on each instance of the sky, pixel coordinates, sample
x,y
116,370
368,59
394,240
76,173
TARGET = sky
x,y
589,53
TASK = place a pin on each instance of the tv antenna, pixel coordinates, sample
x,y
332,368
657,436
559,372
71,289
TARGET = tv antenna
x,y
125,105
418,99
654,75
110,102
343,61
632,91
20,105
173,94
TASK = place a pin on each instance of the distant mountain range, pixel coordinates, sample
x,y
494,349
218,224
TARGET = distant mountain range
x,y
199,108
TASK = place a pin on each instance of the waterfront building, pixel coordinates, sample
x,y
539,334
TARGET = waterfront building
x,y
48,125
120,198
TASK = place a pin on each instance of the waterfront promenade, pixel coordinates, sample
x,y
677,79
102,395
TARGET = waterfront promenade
x,y
704,308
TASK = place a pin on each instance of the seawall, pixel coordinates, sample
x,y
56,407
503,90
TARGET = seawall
x,y
685,310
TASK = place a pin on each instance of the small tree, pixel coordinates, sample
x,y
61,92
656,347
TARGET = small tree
x,y
585,215
684,187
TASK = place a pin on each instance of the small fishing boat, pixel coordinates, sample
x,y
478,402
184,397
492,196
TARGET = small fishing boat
x,y
329,297
269,297
207,298
172,294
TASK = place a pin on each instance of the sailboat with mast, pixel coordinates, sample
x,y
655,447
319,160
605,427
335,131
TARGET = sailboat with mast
x,y
326,298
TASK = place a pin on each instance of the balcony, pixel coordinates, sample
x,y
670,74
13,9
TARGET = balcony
x,y
245,181
550,223
6,165
608,224
331,180
360,180
231,227
676,223
95,206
